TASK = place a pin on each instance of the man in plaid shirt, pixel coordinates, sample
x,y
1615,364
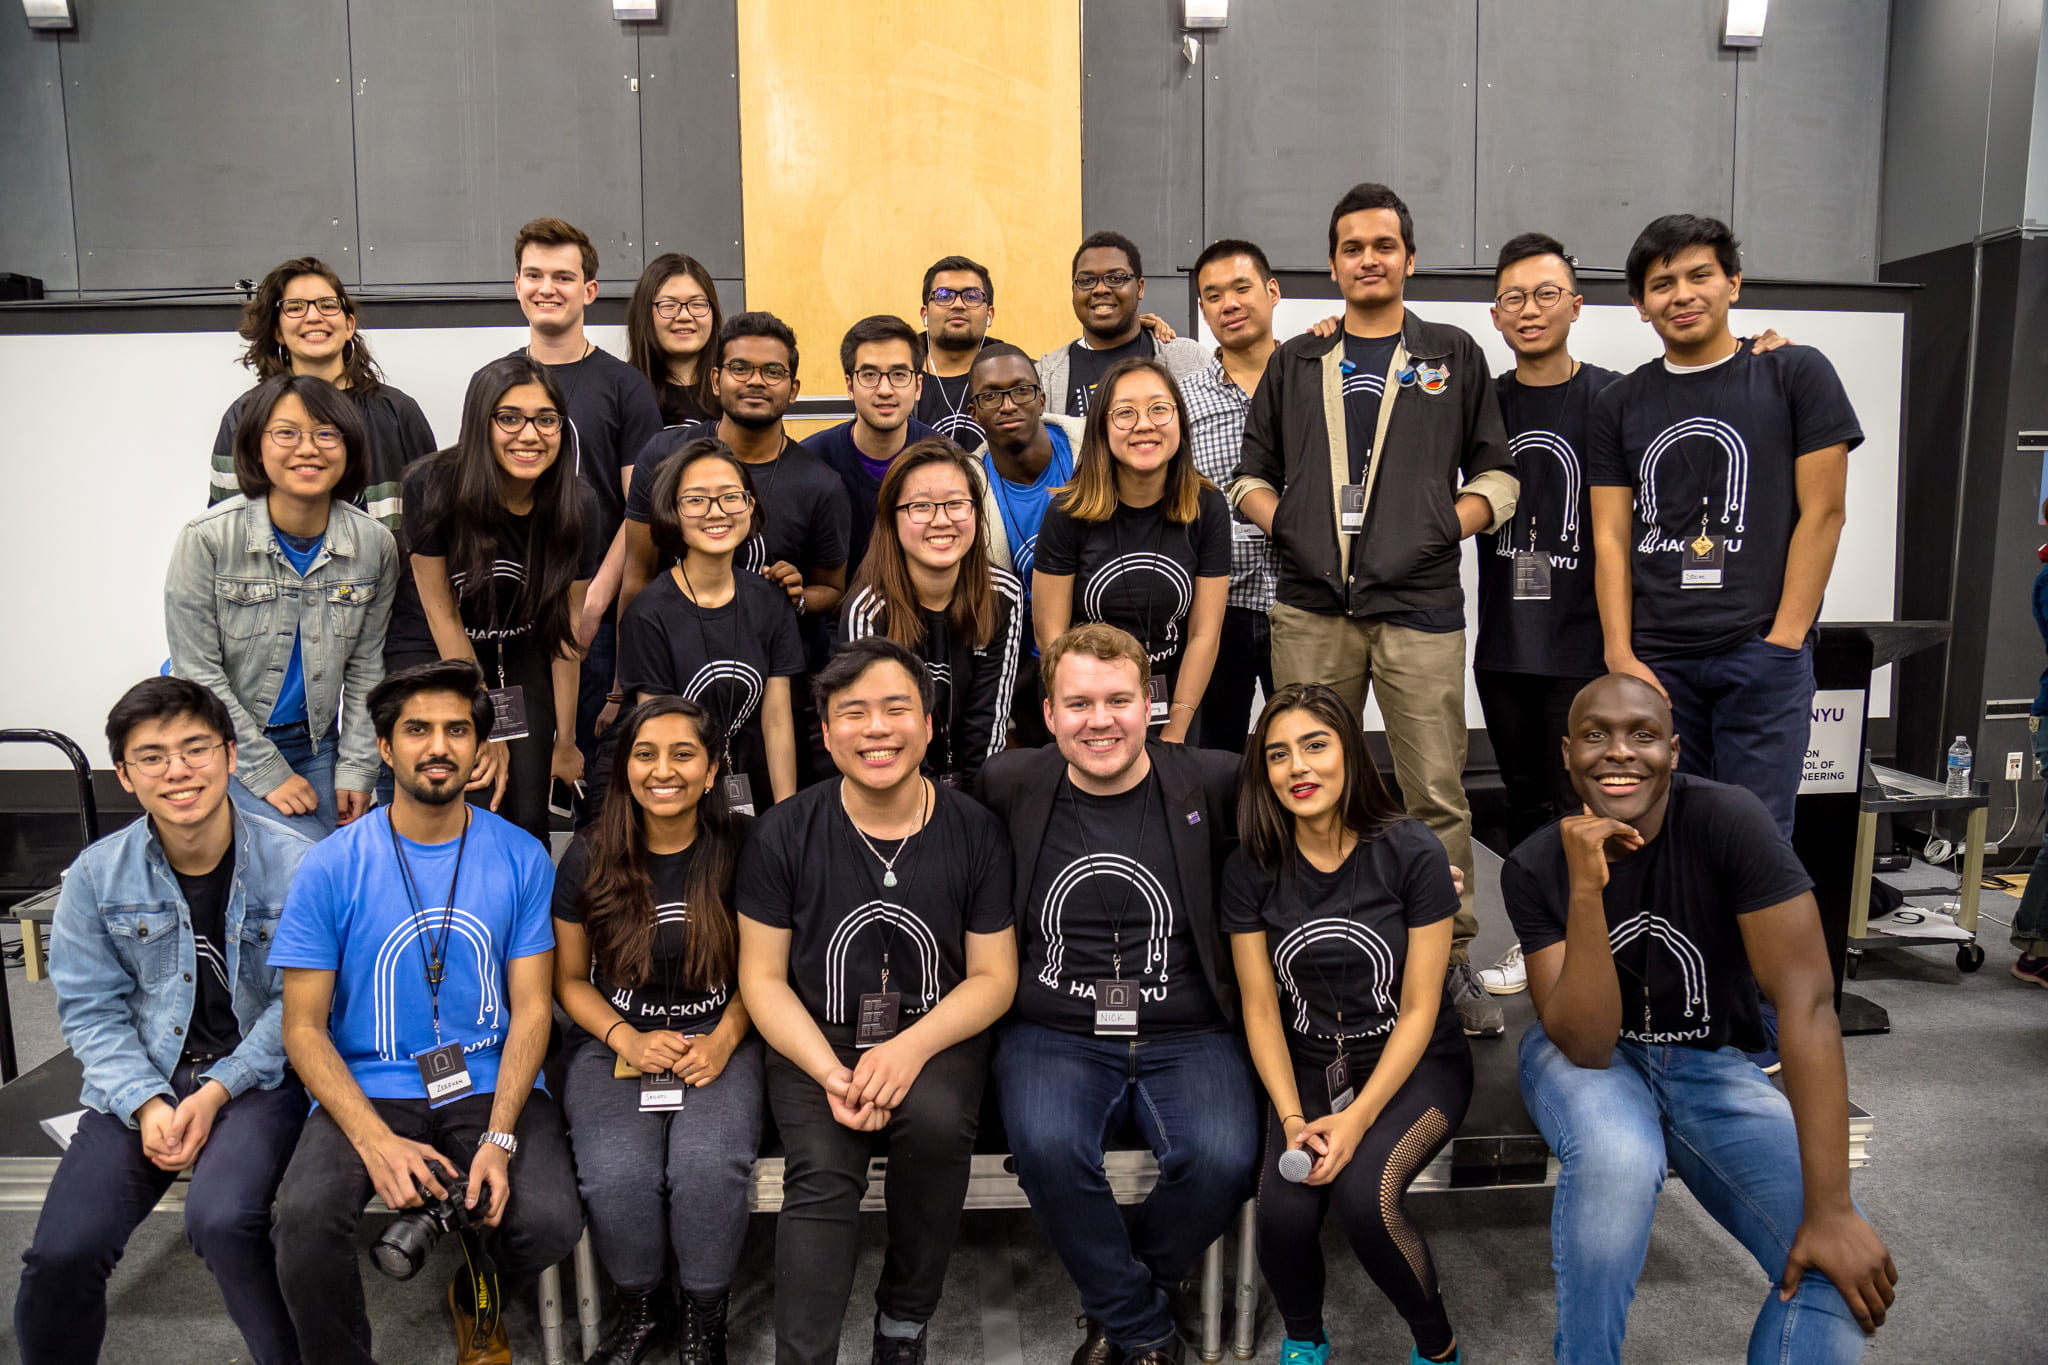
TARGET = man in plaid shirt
x,y
1238,292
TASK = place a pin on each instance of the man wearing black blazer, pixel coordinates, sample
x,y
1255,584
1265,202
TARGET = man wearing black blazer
x,y
1126,1002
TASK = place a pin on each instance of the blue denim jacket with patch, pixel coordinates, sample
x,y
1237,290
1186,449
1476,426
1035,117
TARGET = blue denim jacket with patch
x,y
123,958
233,605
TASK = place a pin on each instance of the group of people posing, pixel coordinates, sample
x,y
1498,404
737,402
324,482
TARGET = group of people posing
x,y
876,744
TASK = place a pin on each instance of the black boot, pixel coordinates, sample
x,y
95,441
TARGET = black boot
x,y
1095,1348
643,1328
702,1339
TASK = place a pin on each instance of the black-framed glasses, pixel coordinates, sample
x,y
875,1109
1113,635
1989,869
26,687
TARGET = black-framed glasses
x,y
988,400
1124,416
1546,296
922,512
774,372
975,296
901,377
1115,279
198,756
667,309
512,421
296,308
732,501
288,438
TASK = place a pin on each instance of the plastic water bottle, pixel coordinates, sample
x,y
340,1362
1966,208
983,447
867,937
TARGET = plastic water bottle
x,y
1959,767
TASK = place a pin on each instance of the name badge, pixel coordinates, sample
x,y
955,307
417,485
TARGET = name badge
x,y
1245,531
508,712
1116,1009
1705,558
1532,576
1351,508
1158,707
445,1073
880,1013
661,1092
739,793
1337,1081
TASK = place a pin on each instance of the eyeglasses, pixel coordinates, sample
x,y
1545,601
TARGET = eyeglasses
x,y
512,421
287,438
1546,296
1115,279
198,756
699,504
975,297
956,509
742,371
988,400
1125,416
296,308
899,378
667,309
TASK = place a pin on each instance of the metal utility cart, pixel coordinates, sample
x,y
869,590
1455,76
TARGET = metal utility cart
x,y
1887,791
35,911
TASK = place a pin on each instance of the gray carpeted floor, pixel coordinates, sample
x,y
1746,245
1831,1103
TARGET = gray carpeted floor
x,y
1960,1165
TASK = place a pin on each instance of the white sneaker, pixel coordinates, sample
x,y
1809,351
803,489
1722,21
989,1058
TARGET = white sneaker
x,y
1509,976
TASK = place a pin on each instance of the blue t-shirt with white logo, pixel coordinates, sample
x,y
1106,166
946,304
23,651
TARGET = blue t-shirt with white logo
x,y
1023,508
291,694
349,912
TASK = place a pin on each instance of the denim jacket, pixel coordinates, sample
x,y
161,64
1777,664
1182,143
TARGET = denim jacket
x,y
233,603
123,955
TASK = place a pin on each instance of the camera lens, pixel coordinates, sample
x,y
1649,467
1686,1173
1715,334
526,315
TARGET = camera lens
x,y
403,1248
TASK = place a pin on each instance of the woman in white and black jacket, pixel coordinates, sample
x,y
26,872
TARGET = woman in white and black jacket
x,y
928,585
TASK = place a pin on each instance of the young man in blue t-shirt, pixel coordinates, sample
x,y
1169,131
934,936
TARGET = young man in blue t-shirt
x,y
417,954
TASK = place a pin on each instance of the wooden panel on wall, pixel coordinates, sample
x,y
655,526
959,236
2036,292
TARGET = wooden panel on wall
x,y
875,139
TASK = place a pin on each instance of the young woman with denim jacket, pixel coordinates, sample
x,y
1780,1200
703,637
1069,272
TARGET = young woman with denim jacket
x,y
277,600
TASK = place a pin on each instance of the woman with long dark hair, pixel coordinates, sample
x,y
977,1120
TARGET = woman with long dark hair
x,y
1338,908
671,323
646,961
301,320
702,631
278,599
496,528
927,584
1139,540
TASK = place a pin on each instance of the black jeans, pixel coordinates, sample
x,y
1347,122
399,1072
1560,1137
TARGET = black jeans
x,y
1243,657
1526,718
825,1175
105,1186
321,1203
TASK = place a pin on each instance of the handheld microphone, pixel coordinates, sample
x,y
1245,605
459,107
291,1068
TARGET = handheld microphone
x,y
1295,1164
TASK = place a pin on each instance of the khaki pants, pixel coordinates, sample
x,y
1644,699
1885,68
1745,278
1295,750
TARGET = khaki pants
x,y
1419,680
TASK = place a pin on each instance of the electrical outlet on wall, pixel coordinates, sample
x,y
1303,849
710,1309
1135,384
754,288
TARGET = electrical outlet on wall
x,y
2013,762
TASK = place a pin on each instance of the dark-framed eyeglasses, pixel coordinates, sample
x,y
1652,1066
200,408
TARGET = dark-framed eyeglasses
x,y
1546,296
198,756
732,501
667,309
902,377
512,421
774,372
288,438
1115,279
988,400
1124,416
922,512
974,297
296,308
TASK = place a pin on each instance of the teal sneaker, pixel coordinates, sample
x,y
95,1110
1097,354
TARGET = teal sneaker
x,y
1416,1357
1294,1352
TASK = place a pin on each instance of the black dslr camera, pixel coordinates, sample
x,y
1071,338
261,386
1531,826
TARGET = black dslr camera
x,y
405,1245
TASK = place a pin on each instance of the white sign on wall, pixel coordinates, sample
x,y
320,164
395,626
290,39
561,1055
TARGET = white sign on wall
x,y
1834,744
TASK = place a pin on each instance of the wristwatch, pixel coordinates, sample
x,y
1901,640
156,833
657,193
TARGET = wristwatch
x,y
505,1140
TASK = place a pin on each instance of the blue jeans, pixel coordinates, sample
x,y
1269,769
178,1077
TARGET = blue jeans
x,y
105,1186
1744,717
313,762
2030,925
1064,1098
1724,1128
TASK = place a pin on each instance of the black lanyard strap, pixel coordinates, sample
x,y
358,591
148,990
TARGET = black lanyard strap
x,y
434,961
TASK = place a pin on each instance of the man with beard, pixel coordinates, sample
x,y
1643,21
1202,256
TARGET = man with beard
x,y
959,302
417,1004
1109,283
881,356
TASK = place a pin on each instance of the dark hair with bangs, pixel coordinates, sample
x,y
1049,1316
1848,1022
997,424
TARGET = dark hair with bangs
x,y
1367,195
267,356
1530,244
880,327
643,342
165,698
459,677
855,657
1265,828
1665,237
1092,496
1223,249
972,612
327,406
665,522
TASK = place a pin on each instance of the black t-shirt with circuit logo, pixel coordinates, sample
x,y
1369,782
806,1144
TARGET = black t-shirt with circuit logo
x,y
213,1030
807,869
664,1000
1338,940
1673,912
1086,366
1106,885
1718,445
1558,637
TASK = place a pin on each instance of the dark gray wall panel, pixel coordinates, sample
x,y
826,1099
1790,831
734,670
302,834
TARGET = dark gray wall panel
x,y
209,140
35,173
1809,141
474,116
1141,131
690,134
1596,116
1938,88
1308,97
